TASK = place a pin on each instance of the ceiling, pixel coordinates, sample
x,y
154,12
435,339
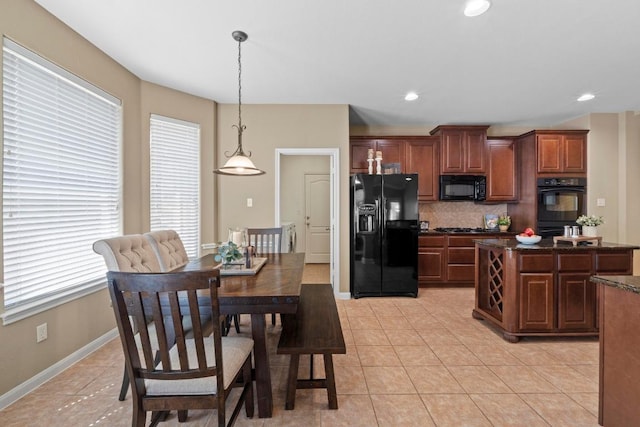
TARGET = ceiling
x,y
524,62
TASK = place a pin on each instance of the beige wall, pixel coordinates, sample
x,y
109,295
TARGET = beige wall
x,y
279,126
77,323
73,325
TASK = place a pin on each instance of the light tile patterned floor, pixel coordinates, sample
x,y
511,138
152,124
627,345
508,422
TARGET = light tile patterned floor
x,y
409,362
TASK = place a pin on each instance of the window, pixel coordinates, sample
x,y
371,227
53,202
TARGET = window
x,y
175,179
61,182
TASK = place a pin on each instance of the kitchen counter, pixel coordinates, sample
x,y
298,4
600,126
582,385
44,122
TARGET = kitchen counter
x,y
546,244
543,289
619,306
626,283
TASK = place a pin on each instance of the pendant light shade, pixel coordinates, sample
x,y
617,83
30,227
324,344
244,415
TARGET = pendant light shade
x,y
239,163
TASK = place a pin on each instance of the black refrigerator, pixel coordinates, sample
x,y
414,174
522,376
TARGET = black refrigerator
x,y
384,235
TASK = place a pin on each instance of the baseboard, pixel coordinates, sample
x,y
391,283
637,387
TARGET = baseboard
x,y
36,381
343,295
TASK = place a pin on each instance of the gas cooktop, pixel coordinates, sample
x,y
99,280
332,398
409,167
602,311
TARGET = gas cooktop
x,y
462,230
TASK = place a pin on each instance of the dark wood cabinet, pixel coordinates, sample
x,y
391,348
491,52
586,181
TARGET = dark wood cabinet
x,y
462,149
564,152
502,183
536,302
454,255
431,259
422,157
393,151
544,291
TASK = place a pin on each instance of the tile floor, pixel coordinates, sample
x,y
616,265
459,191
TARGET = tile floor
x,y
409,362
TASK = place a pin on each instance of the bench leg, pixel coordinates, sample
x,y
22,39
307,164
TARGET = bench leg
x,y
331,382
292,381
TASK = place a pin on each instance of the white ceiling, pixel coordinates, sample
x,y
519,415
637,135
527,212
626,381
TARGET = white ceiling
x,y
524,62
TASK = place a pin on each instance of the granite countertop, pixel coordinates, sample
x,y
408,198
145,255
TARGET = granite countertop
x,y
547,244
627,283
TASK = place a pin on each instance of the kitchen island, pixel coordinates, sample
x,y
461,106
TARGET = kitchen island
x,y
543,289
619,342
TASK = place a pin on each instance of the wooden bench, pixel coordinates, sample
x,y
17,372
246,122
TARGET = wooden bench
x,y
313,329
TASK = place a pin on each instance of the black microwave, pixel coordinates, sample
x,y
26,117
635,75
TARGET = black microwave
x,y
463,187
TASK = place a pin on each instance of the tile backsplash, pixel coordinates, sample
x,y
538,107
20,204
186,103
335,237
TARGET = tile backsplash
x,y
458,214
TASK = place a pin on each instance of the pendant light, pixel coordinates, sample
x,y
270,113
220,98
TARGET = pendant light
x,y
239,163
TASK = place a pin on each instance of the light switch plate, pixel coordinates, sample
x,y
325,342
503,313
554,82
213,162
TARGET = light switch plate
x,y
249,202
600,202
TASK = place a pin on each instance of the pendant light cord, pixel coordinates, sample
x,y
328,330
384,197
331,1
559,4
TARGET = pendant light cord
x,y
240,83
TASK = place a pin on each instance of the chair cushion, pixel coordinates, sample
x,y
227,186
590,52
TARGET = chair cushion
x,y
168,248
235,351
131,253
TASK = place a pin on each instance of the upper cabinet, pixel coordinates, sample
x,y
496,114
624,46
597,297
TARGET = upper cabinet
x,y
392,152
561,152
462,149
415,154
502,184
422,158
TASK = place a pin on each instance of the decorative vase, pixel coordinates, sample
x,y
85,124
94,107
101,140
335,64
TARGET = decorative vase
x,y
589,230
503,227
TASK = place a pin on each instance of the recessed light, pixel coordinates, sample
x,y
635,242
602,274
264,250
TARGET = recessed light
x,y
476,7
586,97
411,96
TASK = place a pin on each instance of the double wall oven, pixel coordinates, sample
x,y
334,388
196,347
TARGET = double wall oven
x,y
560,202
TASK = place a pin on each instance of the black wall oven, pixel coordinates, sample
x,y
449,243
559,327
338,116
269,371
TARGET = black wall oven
x,y
560,202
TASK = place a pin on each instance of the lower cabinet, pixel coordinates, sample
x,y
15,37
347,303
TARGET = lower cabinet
x,y
546,291
431,259
449,259
536,302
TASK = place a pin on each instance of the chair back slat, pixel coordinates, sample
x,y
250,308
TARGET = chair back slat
x,y
265,240
150,294
197,329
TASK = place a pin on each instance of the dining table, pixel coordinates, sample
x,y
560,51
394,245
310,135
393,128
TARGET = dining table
x,y
275,288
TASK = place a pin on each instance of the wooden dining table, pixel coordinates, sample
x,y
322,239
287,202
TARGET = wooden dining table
x,y
274,289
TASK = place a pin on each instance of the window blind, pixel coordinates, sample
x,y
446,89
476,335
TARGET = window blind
x,y
61,182
175,179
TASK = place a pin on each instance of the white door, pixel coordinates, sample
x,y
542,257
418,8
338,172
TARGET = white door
x,y
317,218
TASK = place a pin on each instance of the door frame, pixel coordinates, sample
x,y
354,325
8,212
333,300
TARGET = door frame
x,y
334,195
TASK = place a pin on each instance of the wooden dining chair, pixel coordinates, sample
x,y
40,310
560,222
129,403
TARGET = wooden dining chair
x,y
195,372
266,241
131,253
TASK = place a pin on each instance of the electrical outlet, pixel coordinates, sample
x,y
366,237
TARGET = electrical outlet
x,y
600,202
41,332
249,202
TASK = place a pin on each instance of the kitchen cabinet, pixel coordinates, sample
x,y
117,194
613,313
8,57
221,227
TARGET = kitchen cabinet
x,y
449,259
561,152
422,157
431,259
393,151
502,182
462,149
543,289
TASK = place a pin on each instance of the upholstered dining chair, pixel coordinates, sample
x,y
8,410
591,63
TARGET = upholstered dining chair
x,y
266,241
130,253
168,248
195,371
